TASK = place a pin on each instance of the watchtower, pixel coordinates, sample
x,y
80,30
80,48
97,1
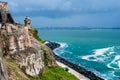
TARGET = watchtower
x,y
27,27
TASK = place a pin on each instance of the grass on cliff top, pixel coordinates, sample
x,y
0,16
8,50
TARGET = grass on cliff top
x,y
56,73
35,34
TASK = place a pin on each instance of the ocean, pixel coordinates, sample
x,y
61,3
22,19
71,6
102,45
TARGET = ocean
x,y
97,50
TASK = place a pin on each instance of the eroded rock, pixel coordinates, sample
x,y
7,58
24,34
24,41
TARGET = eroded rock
x,y
3,71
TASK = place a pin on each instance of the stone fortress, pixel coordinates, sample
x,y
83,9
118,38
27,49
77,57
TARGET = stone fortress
x,y
15,37
16,43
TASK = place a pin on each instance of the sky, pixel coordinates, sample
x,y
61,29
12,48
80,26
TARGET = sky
x,y
67,13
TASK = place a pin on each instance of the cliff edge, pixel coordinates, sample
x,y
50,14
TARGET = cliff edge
x,y
21,51
21,54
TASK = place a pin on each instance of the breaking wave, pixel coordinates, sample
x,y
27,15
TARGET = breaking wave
x,y
99,54
110,56
115,63
60,49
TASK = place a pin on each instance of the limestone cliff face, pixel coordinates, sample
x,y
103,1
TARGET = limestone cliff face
x,y
32,59
49,57
17,45
3,71
47,52
23,53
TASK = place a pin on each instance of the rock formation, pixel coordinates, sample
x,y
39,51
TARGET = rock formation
x,y
3,71
19,46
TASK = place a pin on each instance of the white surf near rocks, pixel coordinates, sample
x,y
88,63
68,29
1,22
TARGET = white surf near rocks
x,y
99,54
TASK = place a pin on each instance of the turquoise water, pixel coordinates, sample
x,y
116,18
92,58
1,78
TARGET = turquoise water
x,y
96,49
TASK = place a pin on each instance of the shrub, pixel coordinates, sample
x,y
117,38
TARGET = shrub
x,y
66,69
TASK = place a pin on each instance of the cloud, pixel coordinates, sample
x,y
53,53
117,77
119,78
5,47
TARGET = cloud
x,y
41,4
78,6
96,4
72,5
63,12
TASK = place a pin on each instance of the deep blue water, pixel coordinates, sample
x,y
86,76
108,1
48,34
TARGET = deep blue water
x,y
95,49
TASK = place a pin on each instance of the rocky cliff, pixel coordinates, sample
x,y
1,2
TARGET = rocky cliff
x,y
3,71
21,52
30,61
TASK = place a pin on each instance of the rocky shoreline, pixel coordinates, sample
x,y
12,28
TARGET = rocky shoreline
x,y
74,66
52,45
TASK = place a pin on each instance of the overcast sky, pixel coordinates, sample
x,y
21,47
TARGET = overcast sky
x,y
67,13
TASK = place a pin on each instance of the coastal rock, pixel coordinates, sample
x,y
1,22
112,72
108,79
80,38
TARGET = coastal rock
x,y
47,54
52,45
3,71
31,60
49,57
31,55
17,45
20,46
78,68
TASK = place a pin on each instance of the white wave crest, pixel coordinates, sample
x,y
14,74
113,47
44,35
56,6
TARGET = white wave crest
x,y
60,50
116,62
63,45
101,51
99,54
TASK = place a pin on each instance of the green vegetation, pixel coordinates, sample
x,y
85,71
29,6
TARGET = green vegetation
x,y
34,32
66,69
56,73
13,69
45,58
33,29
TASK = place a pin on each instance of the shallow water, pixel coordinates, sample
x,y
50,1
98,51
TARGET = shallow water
x,y
96,49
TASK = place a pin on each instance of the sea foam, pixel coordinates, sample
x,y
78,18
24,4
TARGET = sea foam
x,y
60,50
63,45
99,54
115,62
